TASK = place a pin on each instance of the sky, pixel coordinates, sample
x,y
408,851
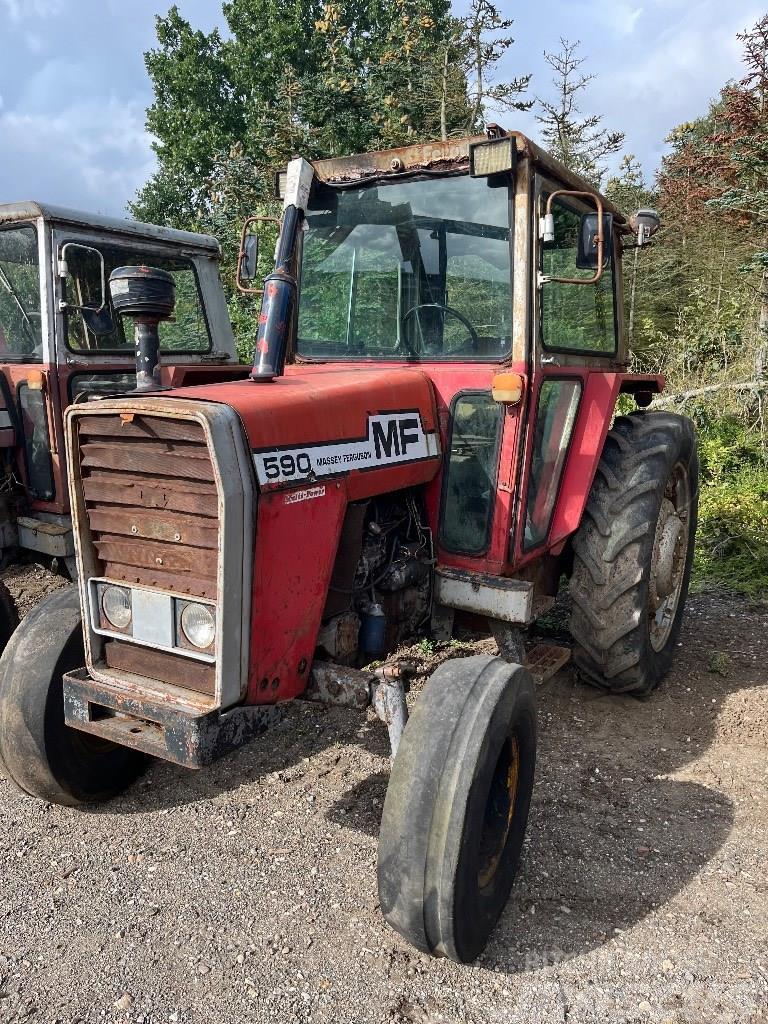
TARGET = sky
x,y
73,87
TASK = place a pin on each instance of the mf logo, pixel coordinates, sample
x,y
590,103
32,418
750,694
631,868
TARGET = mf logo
x,y
394,435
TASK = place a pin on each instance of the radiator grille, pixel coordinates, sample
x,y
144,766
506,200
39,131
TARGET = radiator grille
x,y
151,500
152,507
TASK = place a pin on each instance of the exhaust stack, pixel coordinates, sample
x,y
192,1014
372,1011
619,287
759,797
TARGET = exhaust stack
x,y
148,296
278,303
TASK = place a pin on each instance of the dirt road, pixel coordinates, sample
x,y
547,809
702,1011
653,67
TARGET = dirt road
x,y
248,893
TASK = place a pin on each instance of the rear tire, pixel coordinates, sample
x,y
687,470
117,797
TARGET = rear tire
x,y
457,806
633,553
38,751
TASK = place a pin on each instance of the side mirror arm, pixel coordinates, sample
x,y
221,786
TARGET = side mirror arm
x,y
599,237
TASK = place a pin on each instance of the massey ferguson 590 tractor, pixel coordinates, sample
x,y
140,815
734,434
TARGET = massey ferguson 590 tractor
x,y
441,445
60,342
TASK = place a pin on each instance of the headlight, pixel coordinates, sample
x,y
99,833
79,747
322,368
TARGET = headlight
x,y
116,605
198,625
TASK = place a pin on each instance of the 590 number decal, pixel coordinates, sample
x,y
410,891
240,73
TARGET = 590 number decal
x,y
285,467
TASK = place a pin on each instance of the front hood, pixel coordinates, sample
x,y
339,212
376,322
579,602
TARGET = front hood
x,y
325,421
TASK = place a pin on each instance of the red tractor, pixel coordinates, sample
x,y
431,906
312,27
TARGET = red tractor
x,y
441,444
60,342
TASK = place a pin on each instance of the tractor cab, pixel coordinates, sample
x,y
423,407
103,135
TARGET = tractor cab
x,y
61,342
496,272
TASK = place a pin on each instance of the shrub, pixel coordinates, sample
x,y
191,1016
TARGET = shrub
x,y
732,539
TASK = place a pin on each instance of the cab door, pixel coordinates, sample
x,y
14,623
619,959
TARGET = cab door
x,y
25,354
575,352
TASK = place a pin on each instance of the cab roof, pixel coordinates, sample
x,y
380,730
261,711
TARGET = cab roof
x,y
448,156
29,210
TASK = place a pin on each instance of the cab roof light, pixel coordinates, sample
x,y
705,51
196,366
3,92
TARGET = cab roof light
x,y
497,156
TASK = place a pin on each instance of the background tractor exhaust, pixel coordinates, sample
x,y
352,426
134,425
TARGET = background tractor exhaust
x,y
147,295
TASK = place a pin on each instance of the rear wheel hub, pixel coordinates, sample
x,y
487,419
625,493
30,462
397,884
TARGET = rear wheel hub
x,y
670,546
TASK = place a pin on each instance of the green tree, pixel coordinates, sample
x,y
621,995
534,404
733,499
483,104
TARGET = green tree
x,y
629,191
482,43
317,77
580,142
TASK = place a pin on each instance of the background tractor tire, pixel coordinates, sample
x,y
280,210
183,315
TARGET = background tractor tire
x,y
633,553
457,805
38,751
9,616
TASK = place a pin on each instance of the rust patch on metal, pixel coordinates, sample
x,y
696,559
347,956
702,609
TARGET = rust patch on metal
x,y
160,665
192,736
149,525
432,156
142,428
336,684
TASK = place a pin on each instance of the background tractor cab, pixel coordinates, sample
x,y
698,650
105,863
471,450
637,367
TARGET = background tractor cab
x,y
61,342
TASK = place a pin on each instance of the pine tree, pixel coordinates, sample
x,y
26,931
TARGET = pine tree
x,y
482,44
628,191
581,143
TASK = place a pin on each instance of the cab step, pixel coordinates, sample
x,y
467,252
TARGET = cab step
x,y
544,660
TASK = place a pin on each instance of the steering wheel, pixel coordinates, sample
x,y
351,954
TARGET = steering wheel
x,y
446,309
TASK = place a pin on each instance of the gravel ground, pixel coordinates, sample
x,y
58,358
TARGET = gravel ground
x,y
248,891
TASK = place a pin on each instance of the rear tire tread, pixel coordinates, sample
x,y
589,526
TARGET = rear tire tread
x,y
613,546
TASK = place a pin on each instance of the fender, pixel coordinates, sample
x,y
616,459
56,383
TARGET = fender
x,y
601,392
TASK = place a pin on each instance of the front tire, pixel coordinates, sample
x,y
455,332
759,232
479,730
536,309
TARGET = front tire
x,y
457,806
633,553
42,755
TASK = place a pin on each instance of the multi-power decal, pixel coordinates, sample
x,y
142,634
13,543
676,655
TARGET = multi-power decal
x,y
392,437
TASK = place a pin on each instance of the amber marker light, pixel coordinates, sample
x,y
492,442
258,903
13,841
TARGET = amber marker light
x,y
507,388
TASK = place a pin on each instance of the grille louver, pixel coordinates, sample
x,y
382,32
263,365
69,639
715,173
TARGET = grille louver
x,y
151,499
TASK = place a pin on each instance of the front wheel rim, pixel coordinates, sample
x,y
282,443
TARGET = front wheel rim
x,y
499,811
669,557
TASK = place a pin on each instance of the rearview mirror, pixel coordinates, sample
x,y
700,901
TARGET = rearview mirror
x,y
83,276
98,321
250,259
248,256
586,256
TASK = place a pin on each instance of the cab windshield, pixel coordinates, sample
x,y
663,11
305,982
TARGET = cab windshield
x,y
408,270
89,334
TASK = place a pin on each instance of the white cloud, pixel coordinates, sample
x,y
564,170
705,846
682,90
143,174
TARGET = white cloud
x,y
20,10
93,153
35,43
617,16
672,77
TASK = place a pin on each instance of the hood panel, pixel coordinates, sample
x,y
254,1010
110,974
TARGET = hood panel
x,y
321,422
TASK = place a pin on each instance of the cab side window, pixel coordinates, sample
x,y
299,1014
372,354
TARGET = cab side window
x,y
470,480
21,335
574,317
